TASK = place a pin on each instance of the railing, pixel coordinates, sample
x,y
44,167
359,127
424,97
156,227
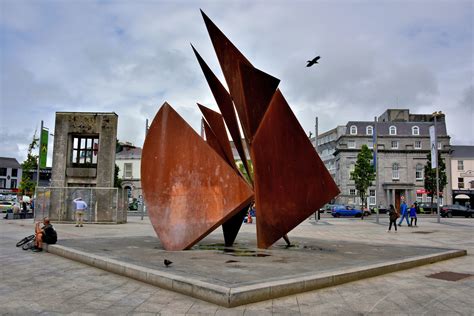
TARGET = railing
x,y
104,205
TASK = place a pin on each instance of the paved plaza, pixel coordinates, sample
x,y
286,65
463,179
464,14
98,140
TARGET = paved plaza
x,y
43,283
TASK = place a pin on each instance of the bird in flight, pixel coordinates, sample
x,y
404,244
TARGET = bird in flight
x,y
167,262
314,61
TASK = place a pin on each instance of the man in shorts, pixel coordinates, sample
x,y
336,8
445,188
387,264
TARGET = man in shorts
x,y
81,207
45,234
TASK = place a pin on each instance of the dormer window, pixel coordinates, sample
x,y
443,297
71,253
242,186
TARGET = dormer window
x,y
353,130
415,130
369,130
392,130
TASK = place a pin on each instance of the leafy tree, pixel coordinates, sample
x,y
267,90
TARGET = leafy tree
x,y
244,172
29,166
117,180
364,173
430,176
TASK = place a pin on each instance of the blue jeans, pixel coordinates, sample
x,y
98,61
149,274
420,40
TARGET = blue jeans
x,y
404,216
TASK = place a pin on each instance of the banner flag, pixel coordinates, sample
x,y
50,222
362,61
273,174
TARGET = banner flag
x,y
43,147
434,149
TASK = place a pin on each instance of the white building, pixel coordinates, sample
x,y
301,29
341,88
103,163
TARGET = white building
x,y
462,173
128,159
10,175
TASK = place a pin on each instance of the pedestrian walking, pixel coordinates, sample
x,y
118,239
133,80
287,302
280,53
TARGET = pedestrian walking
x,y
393,215
413,217
81,207
403,213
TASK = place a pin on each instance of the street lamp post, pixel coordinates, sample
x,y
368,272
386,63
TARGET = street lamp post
x,y
376,159
316,127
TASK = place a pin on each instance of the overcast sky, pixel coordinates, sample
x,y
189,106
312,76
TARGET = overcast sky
x,y
129,57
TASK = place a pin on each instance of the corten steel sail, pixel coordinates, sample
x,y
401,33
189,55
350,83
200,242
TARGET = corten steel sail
x,y
230,58
291,181
220,144
226,106
258,88
212,141
216,124
187,198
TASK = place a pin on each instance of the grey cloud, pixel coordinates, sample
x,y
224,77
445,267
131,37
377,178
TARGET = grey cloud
x,y
130,57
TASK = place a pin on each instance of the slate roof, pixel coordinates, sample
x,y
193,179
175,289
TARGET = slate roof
x,y
129,153
403,128
462,151
6,162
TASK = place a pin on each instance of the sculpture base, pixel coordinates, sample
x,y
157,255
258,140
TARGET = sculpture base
x,y
233,276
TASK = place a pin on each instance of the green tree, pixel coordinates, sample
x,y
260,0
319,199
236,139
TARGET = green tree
x,y
244,172
117,180
430,176
29,166
364,173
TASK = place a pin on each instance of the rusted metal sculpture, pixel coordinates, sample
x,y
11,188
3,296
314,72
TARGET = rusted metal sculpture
x,y
189,189
192,187
291,181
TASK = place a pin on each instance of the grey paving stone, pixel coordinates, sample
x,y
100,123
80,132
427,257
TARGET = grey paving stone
x,y
29,273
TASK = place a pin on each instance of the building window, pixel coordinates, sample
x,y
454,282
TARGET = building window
x,y
370,144
3,183
461,183
369,130
415,130
394,144
392,130
353,130
353,198
372,197
460,165
3,172
440,146
351,144
13,183
419,172
351,170
395,172
84,150
419,197
14,173
127,170
417,144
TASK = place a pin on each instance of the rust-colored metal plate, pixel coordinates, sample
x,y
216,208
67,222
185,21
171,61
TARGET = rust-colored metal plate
x,y
258,89
291,181
211,139
188,188
216,124
226,106
231,227
230,58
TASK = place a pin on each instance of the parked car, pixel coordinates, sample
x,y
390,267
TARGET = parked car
x,y
382,210
5,205
345,210
456,210
428,207
327,208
